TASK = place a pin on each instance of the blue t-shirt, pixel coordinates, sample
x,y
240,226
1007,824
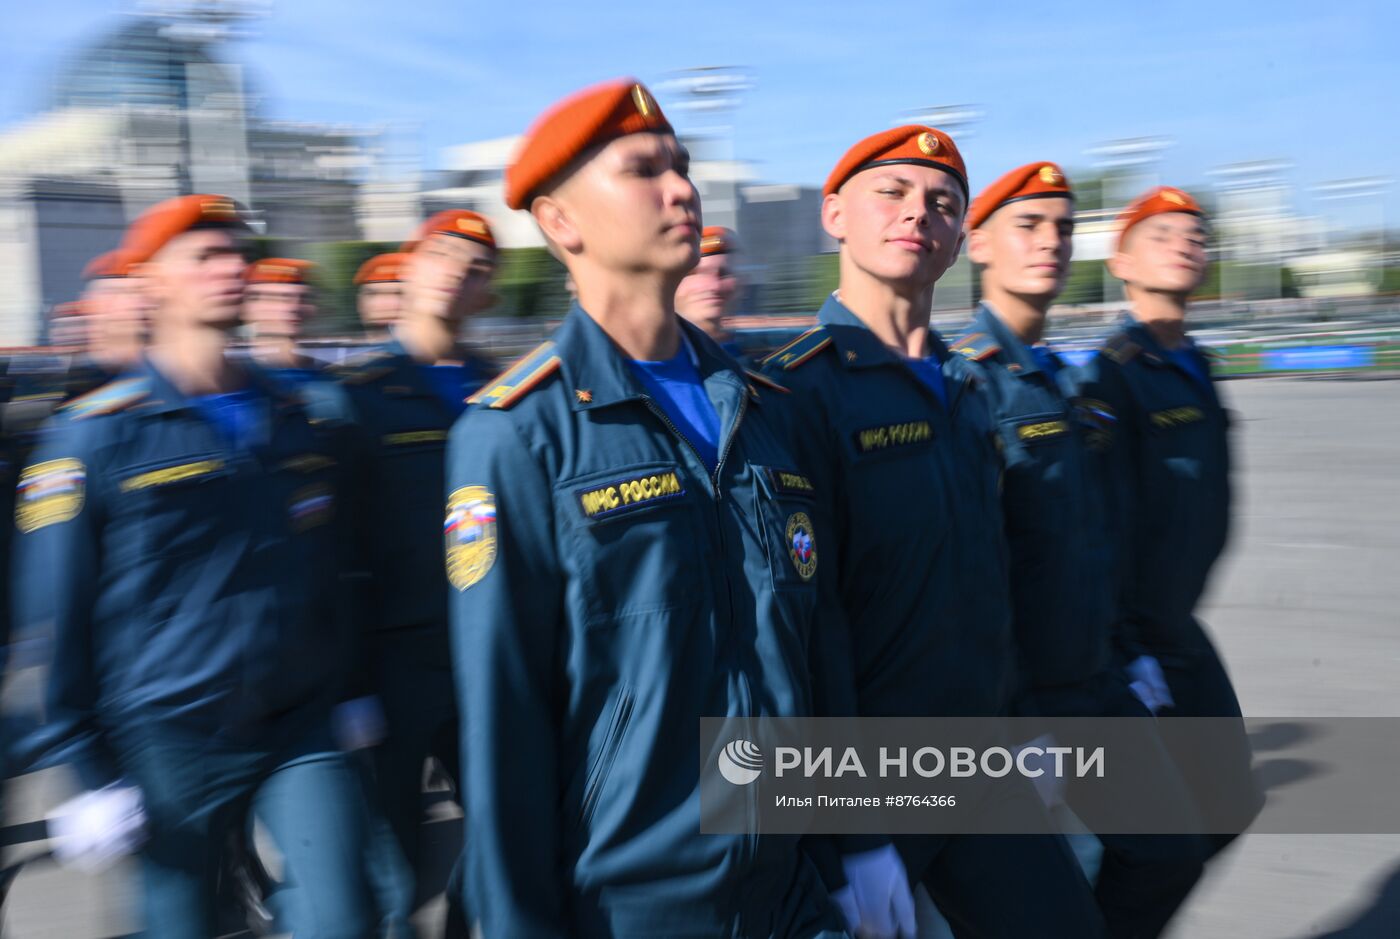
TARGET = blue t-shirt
x,y
676,387
238,416
450,383
1046,360
930,371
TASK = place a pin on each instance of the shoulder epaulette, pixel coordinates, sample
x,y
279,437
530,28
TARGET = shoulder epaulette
x,y
976,346
515,382
1120,348
363,366
109,398
800,350
758,378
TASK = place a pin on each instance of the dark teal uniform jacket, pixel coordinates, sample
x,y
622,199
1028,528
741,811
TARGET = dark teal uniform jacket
x,y
609,591
1062,574
915,563
189,584
1171,467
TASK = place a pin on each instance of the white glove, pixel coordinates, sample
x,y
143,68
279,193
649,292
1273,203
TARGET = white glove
x,y
95,829
1049,786
1149,684
879,905
358,723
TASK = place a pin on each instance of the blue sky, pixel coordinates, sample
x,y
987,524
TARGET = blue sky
x,y
1313,83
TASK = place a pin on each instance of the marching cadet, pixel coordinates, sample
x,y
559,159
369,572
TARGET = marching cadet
x,y
179,526
276,306
900,440
1020,234
118,315
1171,474
108,324
708,293
399,400
380,297
620,541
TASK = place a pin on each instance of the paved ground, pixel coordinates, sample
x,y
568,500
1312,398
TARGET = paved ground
x,y
1306,610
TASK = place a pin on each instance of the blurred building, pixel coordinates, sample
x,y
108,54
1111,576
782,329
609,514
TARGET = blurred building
x,y
151,109
473,177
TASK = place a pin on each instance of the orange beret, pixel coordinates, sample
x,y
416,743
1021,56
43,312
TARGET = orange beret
x,y
114,263
1032,181
278,271
716,239
381,269
1156,201
162,222
586,118
458,222
912,143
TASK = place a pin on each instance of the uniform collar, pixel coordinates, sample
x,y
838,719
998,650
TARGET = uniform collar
x,y
857,347
1152,350
599,375
164,396
1022,360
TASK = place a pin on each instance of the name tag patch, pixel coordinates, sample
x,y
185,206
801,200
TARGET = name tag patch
x,y
909,433
1037,431
790,483
306,463
1175,417
630,493
171,474
406,437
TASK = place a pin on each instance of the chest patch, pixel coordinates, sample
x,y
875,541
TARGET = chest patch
x,y
629,493
888,436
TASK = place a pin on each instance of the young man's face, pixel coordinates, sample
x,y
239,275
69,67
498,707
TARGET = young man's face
x,y
902,223
120,310
448,277
631,207
277,311
708,292
1025,247
380,305
1165,254
197,278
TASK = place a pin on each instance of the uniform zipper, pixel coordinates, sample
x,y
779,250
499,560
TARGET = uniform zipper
x,y
742,675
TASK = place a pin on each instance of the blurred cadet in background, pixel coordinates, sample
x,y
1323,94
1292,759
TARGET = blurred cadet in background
x,y
603,492
380,297
102,335
398,401
277,303
117,309
1063,596
900,440
178,524
709,292
108,326
1170,461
